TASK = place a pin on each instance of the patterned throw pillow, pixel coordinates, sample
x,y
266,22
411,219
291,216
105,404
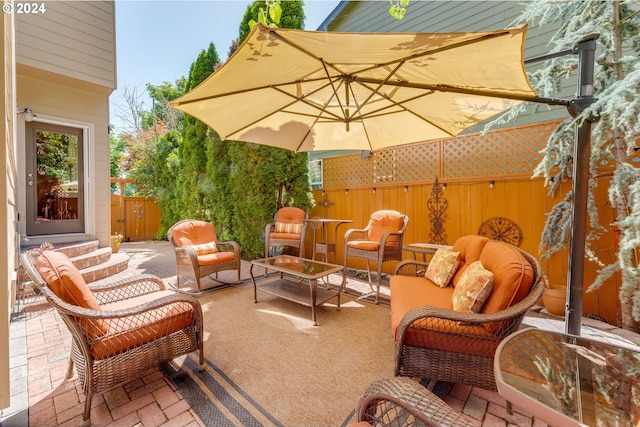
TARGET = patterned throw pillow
x,y
288,227
442,267
205,248
473,289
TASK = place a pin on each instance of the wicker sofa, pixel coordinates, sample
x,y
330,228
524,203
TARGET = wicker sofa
x,y
435,341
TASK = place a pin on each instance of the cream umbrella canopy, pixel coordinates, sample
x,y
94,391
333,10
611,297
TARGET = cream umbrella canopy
x,y
309,91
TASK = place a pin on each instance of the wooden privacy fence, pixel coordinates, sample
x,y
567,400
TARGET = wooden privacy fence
x,y
480,176
136,218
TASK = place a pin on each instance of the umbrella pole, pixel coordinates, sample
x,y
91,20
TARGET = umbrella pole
x,y
585,47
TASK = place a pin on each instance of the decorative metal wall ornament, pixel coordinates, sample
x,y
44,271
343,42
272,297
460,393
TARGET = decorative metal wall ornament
x,y
437,205
502,229
326,204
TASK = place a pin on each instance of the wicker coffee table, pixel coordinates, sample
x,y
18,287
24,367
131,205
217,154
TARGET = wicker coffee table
x,y
294,272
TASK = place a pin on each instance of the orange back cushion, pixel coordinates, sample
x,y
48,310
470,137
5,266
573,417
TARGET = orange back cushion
x,y
290,215
512,275
470,248
64,279
193,233
386,221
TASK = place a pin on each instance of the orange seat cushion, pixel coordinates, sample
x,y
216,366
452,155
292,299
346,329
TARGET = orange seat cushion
x,y
285,236
64,279
132,331
384,221
193,233
215,258
365,245
410,292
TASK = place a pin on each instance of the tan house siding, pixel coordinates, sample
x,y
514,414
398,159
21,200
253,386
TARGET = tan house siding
x,y
7,194
65,72
71,38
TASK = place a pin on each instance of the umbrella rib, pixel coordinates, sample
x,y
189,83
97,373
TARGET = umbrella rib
x,y
377,89
380,111
237,92
252,123
479,92
322,108
335,90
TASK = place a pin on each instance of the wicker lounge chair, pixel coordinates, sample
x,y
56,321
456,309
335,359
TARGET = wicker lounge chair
x,y
287,229
198,251
379,242
399,402
119,330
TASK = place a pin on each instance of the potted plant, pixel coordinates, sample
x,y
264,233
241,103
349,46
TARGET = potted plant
x,y
554,298
116,240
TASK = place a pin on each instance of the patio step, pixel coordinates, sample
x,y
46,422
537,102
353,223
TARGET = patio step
x,y
95,263
115,264
90,259
78,249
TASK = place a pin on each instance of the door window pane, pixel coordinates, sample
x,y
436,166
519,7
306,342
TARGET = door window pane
x,y
57,176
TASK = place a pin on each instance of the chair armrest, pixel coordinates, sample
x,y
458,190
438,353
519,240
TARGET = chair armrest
x,y
127,287
385,237
268,229
387,402
349,232
410,267
231,246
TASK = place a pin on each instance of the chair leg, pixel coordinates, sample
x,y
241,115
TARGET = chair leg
x,y
369,276
201,368
378,283
86,415
70,368
197,277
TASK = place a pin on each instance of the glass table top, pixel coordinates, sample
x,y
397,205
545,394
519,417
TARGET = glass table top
x,y
587,381
302,267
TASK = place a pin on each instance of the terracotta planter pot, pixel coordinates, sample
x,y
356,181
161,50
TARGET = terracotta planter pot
x,y
115,245
555,299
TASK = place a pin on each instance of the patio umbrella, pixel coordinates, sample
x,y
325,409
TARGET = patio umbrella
x,y
308,91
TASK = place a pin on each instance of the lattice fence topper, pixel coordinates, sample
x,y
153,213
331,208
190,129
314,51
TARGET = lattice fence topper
x,y
512,152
